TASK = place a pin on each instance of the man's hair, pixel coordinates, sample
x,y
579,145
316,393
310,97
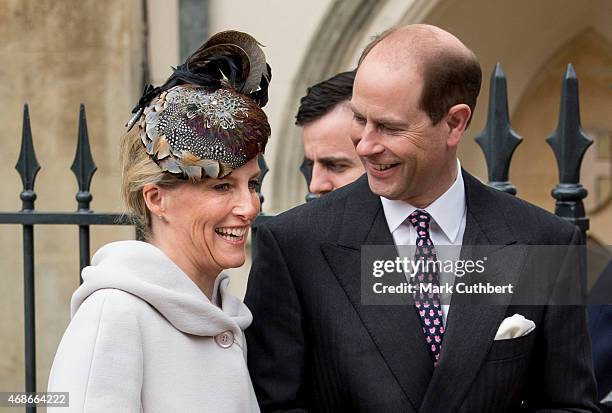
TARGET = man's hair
x,y
375,40
324,96
449,78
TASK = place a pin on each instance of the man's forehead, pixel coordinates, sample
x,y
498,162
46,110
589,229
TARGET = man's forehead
x,y
377,93
337,118
393,55
334,125
380,70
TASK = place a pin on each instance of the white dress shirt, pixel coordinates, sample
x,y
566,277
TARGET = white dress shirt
x,y
448,216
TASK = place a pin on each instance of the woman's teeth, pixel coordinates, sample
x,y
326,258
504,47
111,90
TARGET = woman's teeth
x,y
231,234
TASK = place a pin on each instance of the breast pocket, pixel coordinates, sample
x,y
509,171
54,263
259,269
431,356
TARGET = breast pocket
x,y
511,348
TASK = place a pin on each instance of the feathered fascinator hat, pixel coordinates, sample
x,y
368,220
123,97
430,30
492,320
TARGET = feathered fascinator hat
x,y
206,119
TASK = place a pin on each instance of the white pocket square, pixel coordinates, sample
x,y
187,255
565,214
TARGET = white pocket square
x,y
513,327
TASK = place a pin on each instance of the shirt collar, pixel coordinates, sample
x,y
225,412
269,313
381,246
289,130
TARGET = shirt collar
x,y
447,211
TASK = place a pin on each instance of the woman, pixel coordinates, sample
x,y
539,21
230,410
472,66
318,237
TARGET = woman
x,y
154,328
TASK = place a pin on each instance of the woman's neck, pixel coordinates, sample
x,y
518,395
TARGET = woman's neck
x,y
203,278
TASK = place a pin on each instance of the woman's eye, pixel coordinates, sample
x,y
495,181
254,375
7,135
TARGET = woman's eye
x,y
253,184
222,187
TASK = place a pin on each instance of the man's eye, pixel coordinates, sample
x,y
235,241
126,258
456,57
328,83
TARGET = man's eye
x,y
222,187
387,129
337,167
359,119
253,184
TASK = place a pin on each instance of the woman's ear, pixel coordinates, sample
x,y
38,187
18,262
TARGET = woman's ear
x,y
154,199
457,121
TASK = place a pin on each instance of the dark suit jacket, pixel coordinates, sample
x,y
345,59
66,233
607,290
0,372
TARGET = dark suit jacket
x,y
600,323
314,347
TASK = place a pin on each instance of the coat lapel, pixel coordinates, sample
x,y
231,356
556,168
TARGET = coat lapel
x,y
395,329
471,328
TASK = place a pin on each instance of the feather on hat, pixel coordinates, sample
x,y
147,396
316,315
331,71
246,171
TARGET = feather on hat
x,y
206,119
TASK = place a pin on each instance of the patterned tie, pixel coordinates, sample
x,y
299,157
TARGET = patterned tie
x,y
427,303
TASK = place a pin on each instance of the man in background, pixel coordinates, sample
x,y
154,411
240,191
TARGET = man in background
x,y
326,118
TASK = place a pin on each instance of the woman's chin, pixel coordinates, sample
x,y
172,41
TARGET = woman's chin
x,y
233,262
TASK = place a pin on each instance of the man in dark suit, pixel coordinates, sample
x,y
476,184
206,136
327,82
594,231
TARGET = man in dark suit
x,y
315,346
600,323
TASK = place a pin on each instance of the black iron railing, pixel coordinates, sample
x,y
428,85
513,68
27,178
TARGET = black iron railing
x,y
569,143
28,167
498,140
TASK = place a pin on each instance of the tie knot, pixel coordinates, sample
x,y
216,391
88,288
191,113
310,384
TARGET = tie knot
x,y
420,220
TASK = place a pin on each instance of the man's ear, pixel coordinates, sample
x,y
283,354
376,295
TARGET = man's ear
x,y
457,121
154,199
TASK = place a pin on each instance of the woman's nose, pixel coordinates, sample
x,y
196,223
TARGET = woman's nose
x,y
247,205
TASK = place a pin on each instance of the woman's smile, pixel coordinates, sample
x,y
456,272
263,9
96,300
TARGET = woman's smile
x,y
233,235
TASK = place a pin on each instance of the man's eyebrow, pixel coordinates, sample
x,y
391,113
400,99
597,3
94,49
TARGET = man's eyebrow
x,y
332,159
393,123
353,108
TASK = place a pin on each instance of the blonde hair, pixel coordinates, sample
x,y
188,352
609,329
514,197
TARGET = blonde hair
x,y
138,170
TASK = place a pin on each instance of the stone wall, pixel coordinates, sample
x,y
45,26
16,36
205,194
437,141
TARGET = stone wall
x,y
55,55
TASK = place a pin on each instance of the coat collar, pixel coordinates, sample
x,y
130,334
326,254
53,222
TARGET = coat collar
x,y
447,211
145,271
487,223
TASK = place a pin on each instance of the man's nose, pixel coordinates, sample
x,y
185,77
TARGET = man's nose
x,y
320,182
369,142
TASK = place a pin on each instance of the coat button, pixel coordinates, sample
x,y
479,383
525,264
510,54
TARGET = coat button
x,y
225,339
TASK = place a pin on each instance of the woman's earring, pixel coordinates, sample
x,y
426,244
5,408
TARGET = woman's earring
x,y
161,218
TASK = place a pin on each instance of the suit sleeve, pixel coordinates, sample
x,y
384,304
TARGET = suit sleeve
x,y
600,325
276,337
99,360
565,380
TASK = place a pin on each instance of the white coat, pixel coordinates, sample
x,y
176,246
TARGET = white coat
x,y
144,338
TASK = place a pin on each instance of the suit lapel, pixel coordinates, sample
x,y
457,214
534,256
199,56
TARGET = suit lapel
x,y
395,329
471,328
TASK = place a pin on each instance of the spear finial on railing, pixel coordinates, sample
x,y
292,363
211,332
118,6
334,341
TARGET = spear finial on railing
x,y
569,143
263,170
83,165
498,140
27,164
306,170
